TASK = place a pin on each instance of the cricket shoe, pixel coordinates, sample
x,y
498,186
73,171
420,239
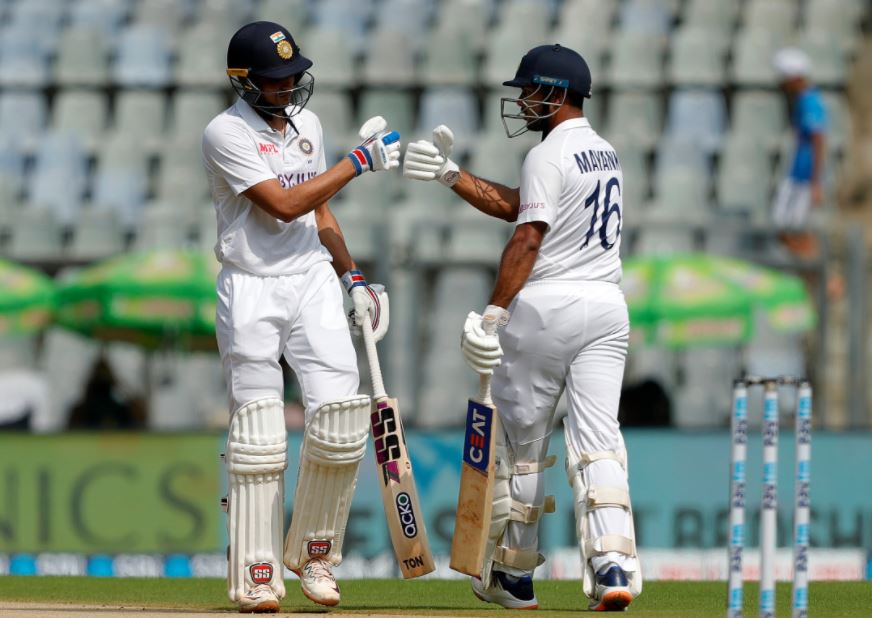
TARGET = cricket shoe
x,y
318,583
507,590
259,600
612,590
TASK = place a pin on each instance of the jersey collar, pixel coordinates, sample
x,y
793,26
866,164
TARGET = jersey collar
x,y
572,123
251,117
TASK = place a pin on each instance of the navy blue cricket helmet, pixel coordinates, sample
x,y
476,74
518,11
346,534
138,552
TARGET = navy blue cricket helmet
x,y
266,50
545,66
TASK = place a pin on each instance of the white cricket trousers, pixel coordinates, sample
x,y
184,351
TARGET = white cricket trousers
x,y
300,316
570,335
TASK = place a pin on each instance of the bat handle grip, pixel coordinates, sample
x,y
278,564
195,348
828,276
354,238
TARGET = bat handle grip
x,y
484,389
489,325
378,385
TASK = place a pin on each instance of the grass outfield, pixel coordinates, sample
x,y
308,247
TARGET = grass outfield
x,y
429,597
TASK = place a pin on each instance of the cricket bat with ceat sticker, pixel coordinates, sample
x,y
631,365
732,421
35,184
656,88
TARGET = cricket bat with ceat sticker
x,y
394,469
475,499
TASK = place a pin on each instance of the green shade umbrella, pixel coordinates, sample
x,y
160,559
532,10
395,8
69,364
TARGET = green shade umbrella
x,y
697,299
26,300
157,299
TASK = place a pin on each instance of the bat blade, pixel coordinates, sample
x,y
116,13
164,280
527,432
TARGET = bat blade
x,y
475,499
399,494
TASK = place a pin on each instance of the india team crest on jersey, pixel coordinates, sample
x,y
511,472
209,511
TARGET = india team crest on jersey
x,y
306,146
261,573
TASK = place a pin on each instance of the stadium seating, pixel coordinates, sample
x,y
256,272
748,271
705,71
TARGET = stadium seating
x,y
103,103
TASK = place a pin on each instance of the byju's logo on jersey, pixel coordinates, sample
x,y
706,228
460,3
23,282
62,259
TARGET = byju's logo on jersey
x,y
267,148
261,573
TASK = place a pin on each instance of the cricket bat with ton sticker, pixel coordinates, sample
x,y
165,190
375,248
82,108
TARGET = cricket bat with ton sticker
x,y
475,500
394,469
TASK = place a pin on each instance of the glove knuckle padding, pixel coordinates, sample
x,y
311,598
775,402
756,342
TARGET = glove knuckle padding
x,y
333,445
589,496
256,457
372,126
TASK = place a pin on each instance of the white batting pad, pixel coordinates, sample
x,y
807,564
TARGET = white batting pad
x,y
256,457
333,446
612,534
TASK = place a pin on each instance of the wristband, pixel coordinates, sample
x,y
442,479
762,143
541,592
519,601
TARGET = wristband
x,y
353,278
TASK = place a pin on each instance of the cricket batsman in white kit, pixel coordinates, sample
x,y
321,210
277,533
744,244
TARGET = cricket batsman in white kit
x,y
281,251
563,325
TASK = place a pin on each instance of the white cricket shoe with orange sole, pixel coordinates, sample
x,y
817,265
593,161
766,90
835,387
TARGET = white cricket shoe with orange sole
x,y
259,600
318,583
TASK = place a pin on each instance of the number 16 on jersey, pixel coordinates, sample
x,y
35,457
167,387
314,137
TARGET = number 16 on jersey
x,y
611,208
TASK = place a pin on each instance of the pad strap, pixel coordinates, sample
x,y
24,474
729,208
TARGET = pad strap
x,y
533,467
530,514
589,458
611,542
599,497
524,559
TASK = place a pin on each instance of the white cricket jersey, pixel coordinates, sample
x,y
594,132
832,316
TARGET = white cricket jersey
x,y
241,150
573,182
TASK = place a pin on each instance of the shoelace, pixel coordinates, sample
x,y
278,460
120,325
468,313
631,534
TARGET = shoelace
x,y
317,569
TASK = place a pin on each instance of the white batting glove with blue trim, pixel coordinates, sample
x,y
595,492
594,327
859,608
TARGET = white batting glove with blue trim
x,y
371,299
380,149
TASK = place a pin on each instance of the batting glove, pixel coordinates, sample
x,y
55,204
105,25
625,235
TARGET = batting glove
x,y
367,299
380,149
480,343
429,160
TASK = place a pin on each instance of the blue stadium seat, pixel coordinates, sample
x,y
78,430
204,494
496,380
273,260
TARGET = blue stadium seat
x,y
752,54
645,16
190,111
101,15
333,54
82,57
467,17
698,115
455,107
397,106
201,56
23,59
636,116
334,110
697,57
292,14
744,177
449,59
350,17
96,234
167,15
82,112
143,57
389,60
456,292
410,17
22,115
761,114
636,61
59,177
777,16
140,116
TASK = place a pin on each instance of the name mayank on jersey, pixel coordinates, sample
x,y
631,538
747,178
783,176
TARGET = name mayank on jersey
x,y
597,160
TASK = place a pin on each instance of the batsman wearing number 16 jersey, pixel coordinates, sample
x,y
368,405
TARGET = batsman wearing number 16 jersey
x,y
563,326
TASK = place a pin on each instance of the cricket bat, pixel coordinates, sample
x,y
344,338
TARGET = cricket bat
x,y
475,500
394,469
